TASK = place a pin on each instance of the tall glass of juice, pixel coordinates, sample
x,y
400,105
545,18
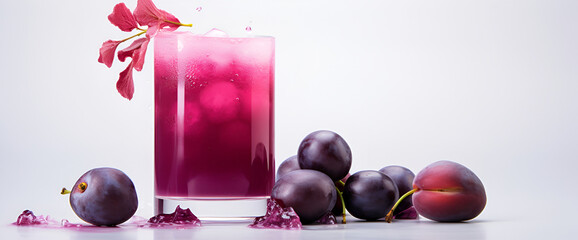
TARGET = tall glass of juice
x,y
214,124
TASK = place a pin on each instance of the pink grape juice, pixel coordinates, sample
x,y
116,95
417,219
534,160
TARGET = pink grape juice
x,y
214,108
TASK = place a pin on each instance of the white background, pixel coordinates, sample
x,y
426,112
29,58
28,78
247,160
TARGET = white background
x,y
490,84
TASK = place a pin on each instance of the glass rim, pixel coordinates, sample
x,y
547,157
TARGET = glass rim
x,y
216,37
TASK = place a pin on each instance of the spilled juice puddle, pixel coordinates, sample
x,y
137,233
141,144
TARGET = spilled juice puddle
x,y
277,217
180,219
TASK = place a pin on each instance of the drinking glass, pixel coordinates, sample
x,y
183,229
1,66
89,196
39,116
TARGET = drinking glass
x,y
214,124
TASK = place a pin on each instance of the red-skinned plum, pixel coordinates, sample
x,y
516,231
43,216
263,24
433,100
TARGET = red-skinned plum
x,y
447,191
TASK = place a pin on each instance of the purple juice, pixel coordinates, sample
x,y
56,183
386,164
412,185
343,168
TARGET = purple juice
x,y
214,109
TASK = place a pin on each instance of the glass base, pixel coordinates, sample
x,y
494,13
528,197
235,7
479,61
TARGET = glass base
x,y
234,209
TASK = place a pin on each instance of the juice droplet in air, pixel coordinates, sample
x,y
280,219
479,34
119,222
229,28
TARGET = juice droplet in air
x,y
248,29
199,9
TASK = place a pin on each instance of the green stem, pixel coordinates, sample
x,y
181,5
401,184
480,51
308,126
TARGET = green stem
x,y
389,216
340,194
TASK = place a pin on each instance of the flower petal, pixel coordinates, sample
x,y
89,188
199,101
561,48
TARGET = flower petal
x,y
153,30
125,84
138,56
146,13
172,18
122,18
128,51
106,52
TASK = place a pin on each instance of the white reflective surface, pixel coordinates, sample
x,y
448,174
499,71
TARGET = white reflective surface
x,y
490,84
411,229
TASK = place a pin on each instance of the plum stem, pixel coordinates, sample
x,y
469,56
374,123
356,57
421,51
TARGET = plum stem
x,y
65,191
341,183
389,216
340,194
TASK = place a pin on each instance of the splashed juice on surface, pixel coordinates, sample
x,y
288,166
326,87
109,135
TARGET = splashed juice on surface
x,y
214,106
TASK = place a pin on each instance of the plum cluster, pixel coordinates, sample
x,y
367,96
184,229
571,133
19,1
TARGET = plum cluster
x,y
306,182
317,181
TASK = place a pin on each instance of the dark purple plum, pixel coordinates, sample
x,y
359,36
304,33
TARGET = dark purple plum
x,y
403,179
288,165
327,219
310,193
409,213
327,152
104,197
369,194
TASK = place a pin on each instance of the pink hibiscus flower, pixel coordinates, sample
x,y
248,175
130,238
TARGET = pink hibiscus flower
x,y
145,14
